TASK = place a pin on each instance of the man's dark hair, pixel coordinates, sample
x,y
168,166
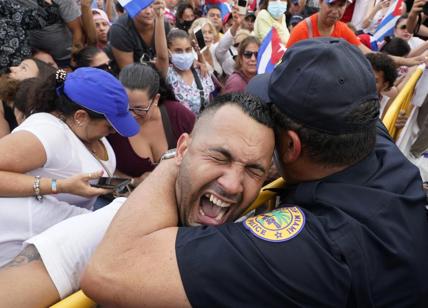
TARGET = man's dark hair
x,y
248,103
383,63
215,7
396,47
332,150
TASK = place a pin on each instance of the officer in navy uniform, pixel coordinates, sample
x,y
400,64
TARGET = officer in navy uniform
x,y
352,229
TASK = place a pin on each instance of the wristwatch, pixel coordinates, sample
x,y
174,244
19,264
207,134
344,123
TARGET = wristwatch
x,y
168,154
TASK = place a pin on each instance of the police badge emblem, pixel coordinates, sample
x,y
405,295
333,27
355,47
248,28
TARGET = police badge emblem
x,y
279,225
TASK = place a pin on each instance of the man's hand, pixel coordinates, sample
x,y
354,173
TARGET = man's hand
x,y
401,120
417,7
159,8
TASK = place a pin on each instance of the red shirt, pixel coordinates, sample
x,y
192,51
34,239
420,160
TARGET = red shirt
x,y
300,32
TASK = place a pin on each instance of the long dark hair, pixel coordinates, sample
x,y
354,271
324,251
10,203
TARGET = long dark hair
x,y
48,96
145,77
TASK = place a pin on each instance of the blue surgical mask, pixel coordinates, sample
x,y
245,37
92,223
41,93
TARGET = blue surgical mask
x,y
277,8
182,61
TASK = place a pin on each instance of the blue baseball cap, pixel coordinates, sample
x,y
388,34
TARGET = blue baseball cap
x,y
319,83
102,93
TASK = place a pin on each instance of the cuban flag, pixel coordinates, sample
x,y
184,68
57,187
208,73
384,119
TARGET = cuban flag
x,y
133,7
223,5
386,26
270,52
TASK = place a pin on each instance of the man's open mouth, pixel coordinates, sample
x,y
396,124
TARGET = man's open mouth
x,y
212,209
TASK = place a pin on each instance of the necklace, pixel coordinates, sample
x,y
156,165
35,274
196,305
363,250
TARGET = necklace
x,y
87,146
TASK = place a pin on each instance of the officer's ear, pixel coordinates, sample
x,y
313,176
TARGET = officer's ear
x,y
182,145
291,146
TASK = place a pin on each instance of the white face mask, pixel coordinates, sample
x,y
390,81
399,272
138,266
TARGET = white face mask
x,y
182,61
277,8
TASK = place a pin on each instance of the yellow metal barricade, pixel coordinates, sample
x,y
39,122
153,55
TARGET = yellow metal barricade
x,y
76,300
402,102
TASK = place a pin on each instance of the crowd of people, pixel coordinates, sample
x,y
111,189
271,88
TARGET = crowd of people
x,y
170,101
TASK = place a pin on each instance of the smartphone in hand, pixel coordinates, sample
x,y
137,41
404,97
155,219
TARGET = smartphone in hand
x,y
199,38
242,7
114,183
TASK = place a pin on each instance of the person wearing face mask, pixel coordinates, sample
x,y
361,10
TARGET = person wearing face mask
x,y
185,16
190,87
272,15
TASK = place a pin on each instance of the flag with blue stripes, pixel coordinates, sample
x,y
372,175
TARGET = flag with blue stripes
x,y
271,51
133,7
386,26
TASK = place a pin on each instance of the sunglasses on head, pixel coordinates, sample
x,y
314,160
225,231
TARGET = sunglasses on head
x,y
250,54
105,67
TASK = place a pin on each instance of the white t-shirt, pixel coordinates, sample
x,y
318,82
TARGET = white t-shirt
x,y
66,247
415,42
24,217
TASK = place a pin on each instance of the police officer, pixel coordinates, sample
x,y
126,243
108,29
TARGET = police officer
x,y
351,230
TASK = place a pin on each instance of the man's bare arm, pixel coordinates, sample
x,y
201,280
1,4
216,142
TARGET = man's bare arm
x,y
25,282
135,264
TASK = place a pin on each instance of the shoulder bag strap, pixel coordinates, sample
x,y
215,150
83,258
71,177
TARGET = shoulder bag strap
x,y
167,126
199,85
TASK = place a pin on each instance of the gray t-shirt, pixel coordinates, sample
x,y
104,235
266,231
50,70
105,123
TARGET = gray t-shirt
x,y
56,39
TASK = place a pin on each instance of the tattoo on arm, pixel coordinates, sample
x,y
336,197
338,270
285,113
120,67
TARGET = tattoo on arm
x,y
28,255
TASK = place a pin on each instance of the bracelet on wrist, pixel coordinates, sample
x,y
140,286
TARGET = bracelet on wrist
x,y
54,186
36,188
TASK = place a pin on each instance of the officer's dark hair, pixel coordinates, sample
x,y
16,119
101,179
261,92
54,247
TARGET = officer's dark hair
x,y
248,103
396,47
383,63
333,150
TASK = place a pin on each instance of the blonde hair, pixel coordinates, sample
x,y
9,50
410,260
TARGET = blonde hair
x,y
201,22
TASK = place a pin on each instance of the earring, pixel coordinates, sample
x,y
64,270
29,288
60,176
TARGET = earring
x,y
79,124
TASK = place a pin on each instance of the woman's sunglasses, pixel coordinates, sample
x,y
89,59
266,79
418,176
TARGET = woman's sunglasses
x,y
403,27
105,67
250,54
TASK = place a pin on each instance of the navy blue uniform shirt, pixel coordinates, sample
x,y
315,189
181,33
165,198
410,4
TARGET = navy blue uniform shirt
x,y
358,238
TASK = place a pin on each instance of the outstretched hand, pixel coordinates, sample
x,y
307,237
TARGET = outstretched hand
x,y
79,185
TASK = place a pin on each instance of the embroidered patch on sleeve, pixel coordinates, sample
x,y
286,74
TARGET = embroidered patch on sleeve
x,y
279,225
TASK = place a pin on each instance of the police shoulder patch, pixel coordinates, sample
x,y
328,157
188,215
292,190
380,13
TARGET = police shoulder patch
x,y
279,225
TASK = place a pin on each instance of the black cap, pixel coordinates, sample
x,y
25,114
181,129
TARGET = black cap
x,y
250,15
295,19
318,83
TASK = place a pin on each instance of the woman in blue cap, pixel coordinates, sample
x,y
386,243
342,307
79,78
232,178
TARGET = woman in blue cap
x,y
48,162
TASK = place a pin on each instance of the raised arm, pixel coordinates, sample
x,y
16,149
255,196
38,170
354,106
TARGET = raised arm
x,y
414,14
76,30
162,60
88,23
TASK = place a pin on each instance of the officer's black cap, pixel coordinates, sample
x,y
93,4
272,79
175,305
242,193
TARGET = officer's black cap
x,y
318,83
